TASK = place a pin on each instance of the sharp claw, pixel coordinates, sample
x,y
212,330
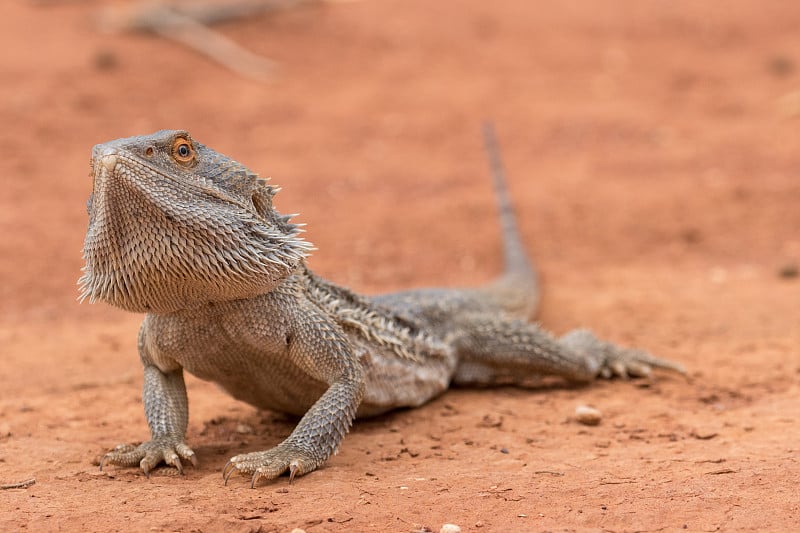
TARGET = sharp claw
x,y
177,464
292,472
227,471
193,460
103,462
254,479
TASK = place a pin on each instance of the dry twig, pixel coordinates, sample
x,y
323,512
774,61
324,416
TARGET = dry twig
x,y
21,485
187,23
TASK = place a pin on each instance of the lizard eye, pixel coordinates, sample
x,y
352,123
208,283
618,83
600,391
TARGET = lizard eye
x,y
183,151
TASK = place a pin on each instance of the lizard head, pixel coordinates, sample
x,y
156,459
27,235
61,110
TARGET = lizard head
x,y
174,225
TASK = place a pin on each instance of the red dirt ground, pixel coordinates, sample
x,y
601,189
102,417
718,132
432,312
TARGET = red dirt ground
x,y
653,149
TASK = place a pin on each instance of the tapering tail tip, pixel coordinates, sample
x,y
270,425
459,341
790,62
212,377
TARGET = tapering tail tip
x,y
519,284
516,259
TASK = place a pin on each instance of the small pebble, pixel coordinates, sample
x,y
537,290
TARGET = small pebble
x,y
789,270
704,434
105,60
781,65
298,530
450,528
588,416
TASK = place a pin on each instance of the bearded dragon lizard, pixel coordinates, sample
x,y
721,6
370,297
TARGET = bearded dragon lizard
x,y
191,238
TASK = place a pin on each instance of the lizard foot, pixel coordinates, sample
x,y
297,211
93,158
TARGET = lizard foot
x,y
271,463
616,361
149,454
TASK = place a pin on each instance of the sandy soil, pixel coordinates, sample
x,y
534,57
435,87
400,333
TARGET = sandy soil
x,y
653,149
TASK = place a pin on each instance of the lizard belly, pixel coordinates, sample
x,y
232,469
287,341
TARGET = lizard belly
x,y
392,382
261,379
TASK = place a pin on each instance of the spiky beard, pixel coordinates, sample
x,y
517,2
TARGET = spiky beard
x,y
151,248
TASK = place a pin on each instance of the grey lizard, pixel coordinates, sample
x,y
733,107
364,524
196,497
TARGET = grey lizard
x,y
191,238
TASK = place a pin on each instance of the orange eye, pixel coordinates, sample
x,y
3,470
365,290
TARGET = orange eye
x,y
183,151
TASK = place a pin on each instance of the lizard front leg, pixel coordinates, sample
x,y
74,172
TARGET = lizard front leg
x,y
321,350
166,408
167,411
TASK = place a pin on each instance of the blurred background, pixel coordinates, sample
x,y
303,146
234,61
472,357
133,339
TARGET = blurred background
x,y
652,148
636,129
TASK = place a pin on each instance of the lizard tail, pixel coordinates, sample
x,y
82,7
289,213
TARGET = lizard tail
x,y
518,287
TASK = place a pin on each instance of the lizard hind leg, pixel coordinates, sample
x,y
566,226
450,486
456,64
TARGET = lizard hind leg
x,y
502,350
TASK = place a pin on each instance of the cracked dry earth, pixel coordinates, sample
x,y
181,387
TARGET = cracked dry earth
x,y
653,150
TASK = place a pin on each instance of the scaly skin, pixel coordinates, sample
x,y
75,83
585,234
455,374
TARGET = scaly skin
x,y
190,237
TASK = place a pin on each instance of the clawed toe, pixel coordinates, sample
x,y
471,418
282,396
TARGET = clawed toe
x,y
228,470
122,455
618,369
637,369
149,455
641,364
616,361
174,460
270,464
241,465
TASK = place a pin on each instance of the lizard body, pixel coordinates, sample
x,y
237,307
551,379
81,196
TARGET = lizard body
x,y
191,238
